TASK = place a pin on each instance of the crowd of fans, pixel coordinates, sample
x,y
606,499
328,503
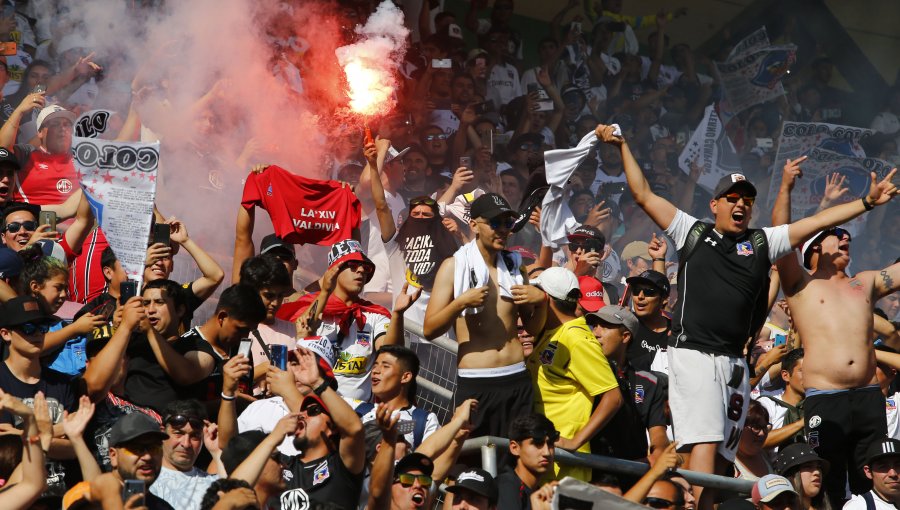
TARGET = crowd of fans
x,y
674,325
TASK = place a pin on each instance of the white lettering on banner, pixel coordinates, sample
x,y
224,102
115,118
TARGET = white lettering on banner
x,y
121,192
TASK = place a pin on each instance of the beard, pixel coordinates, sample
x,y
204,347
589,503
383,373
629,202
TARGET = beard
x,y
301,443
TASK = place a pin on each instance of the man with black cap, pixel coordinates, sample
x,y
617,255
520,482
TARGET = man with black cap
x,y
474,489
643,412
569,371
649,296
136,454
9,165
412,482
480,292
882,467
724,267
586,244
270,484
832,311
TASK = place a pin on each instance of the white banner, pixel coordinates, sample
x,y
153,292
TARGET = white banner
x,y
753,71
712,149
119,181
93,124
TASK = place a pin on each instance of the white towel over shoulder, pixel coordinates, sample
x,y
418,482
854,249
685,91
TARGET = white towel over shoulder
x,y
470,268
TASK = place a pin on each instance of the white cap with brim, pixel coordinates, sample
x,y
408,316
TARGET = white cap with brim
x,y
559,283
52,112
806,247
393,154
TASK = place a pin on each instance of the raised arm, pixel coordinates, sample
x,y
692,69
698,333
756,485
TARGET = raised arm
x,y
80,229
212,272
74,425
383,465
34,480
660,210
879,193
11,126
669,460
235,368
243,240
394,335
252,466
781,213
382,211
103,368
887,281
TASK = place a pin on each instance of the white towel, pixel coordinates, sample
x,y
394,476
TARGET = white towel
x,y
559,165
472,272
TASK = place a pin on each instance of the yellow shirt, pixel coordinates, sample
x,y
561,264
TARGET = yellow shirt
x,y
568,369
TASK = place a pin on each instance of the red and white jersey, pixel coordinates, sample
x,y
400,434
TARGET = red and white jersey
x,y
45,178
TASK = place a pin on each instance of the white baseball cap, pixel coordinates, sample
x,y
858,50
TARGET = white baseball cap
x,y
51,112
559,283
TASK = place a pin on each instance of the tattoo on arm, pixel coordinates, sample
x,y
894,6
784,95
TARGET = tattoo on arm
x,y
886,278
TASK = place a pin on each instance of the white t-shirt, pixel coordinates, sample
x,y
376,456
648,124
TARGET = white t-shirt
x,y
355,353
779,240
431,422
857,502
262,415
893,417
503,84
180,489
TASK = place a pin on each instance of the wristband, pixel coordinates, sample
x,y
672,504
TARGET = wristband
x,y
227,398
320,389
659,259
867,205
35,439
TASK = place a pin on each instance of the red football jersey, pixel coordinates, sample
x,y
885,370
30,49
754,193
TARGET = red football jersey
x,y
304,210
45,179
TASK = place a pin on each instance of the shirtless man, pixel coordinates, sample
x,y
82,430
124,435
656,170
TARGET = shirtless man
x,y
708,387
832,311
491,363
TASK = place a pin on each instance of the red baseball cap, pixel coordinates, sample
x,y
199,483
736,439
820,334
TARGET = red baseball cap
x,y
591,293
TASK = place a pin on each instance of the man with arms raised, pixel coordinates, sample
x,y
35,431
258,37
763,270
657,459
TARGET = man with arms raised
x,y
479,291
832,311
721,282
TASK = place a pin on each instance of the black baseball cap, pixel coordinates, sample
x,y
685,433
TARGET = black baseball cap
x,y
415,461
478,481
654,278
588,232
489,206
22,310
886,447
8,158
10,263
273,242
733,182
132,426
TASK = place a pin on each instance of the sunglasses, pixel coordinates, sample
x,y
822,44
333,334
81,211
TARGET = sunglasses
x,y
354,266
14,226
532,146
647,291
837,231
585,246
430,202
313,410
431,138
734,197
178,421
139,450
659,503
496,223
408,480
29,328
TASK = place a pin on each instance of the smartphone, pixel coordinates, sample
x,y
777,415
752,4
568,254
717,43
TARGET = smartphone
x,y
544,106
8,49
780,339
133,487
39,88
441,63
614,188
405,426
244,347
480,108
47,218
532,87
487,140
161,233
127,290
279,356
764,143
465,161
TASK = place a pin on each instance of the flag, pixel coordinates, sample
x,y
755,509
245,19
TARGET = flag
x,y
753,71
93,124
713,147
119,182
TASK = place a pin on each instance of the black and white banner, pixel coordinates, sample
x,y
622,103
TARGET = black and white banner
x,y
753,71
712,149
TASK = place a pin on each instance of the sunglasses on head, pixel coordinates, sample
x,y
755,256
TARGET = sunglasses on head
x,y
314,410
838,232
431,138
734,197
496,223
408,480
178,421
430,202
647,291
354,266
14,226
29,328
659,503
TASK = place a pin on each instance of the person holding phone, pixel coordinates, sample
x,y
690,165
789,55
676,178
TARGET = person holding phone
x,y
136,456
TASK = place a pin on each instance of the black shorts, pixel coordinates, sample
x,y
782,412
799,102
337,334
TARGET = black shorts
x,y
841,426
500,400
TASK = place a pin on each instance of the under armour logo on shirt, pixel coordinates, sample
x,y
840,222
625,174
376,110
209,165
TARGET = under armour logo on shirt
x,y
710,241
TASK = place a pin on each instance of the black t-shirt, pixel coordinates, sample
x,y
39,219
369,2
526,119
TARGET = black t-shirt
x,y
625,436
644,346
512,492
322,480
148,385
106,414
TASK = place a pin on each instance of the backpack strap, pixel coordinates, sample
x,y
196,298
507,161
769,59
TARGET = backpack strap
x,y
420,416
364,408
263,344
695,234
870,500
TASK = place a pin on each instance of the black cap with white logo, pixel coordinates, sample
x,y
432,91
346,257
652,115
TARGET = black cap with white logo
x,y
887,447
733,182
489,206
478,481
